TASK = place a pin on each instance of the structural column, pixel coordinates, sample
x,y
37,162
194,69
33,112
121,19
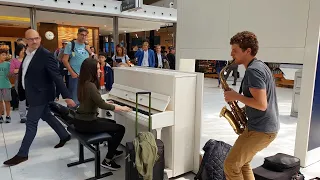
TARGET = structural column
x,y
33,21
128,42
174,40
151,39
109,45
115,31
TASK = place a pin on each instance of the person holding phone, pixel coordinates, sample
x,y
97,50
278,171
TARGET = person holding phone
x,y
120,57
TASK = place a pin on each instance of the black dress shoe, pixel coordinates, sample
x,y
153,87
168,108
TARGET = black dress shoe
x,y
62,142
15,160
23,120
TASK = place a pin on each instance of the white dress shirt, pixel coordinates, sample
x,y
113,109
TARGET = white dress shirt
x,y
160,65
145,61
25,65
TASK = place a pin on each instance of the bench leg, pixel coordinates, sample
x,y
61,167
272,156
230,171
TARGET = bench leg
x,y
81,157
97,167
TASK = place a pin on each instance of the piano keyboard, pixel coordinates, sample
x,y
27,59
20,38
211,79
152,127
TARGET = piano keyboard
x,y
133,108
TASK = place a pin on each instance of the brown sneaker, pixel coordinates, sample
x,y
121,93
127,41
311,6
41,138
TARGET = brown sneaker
x,y
15,160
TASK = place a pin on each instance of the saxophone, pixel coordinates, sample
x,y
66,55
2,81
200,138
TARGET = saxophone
x,y
236,117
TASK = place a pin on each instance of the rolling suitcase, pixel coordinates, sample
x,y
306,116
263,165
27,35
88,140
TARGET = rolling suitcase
x,y
158,169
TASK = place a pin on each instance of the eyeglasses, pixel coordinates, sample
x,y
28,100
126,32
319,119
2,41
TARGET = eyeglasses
x,y
33,39
83,35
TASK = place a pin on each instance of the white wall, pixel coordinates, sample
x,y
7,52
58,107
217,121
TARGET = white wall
x,y
205,28
306,94
288,32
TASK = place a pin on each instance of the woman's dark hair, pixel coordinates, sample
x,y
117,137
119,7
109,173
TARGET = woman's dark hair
x,y
18,49
88,73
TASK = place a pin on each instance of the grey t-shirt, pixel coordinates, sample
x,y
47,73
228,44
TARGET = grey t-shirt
x,y
258,75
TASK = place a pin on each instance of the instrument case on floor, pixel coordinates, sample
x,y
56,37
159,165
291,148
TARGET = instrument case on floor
x,y
130,168
281,162
260,173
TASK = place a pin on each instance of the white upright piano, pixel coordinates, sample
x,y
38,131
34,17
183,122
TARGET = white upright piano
x,y
173,103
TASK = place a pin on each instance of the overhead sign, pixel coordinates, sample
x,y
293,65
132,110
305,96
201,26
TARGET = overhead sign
x,y
131,5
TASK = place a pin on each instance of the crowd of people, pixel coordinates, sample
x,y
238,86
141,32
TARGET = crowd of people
x,y
75,73
38,78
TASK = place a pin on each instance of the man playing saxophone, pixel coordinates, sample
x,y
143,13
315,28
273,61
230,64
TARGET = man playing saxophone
x,y
260,99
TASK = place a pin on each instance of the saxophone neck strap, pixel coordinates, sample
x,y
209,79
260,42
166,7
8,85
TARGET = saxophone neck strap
x,y
240,90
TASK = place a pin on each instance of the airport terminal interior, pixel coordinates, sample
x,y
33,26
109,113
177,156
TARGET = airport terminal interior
x,y
187,90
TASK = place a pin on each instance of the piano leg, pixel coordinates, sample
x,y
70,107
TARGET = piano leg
x,y
102,113
158,130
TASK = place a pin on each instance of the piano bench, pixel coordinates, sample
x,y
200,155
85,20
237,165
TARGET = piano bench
x,y
91,142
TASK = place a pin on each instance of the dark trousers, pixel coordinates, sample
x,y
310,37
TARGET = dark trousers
x,y
103,125
234,73
218,70
33,117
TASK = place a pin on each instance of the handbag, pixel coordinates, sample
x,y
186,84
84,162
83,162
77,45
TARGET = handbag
x,y
280,162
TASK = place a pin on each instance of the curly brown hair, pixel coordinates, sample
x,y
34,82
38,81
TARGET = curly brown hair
x,y
245,40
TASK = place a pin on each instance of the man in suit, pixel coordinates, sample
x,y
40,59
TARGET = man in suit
x,y
145,56
160,59
172,58
38,76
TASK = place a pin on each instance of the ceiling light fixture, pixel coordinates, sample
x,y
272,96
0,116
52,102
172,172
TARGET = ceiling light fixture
x,y
13,18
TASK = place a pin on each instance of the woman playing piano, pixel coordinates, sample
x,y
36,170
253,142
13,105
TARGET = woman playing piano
x,y
86,116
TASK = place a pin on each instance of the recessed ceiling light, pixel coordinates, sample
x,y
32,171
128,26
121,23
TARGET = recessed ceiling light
x,y
125,31
105,25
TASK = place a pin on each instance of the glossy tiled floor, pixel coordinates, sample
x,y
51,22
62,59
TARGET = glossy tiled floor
x,y
47,163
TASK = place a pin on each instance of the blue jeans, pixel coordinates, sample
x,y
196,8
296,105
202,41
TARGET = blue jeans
x,y
33,117
73,89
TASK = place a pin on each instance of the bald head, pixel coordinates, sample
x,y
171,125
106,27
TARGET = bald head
x,y
33,39
31,32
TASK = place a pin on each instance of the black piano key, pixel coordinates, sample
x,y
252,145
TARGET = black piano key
x,y
133,108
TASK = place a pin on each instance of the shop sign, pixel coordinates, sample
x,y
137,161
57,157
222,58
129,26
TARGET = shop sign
x,y
131,5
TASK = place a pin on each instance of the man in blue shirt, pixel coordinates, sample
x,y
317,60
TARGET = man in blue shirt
x,y
73,57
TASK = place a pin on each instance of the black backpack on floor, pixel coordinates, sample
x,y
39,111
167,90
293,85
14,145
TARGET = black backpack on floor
x,y
281,162
211,167
279,167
